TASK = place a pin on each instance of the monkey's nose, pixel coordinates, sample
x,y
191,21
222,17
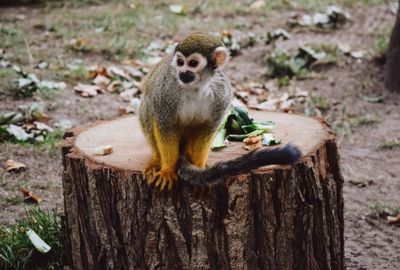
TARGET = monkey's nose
x,y
187,76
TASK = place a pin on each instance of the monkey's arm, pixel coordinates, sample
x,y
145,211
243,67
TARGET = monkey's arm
x,y
168,147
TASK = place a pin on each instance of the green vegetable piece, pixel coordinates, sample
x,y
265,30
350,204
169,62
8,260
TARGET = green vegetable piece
x,y
219,140
241,137
249,128
233,125
239,117
39,244
242,116
266,126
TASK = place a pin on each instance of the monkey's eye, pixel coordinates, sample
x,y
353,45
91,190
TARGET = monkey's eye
x,y
180,62
193,63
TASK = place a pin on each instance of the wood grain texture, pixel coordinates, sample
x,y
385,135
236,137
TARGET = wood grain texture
x,y
275,217
392,78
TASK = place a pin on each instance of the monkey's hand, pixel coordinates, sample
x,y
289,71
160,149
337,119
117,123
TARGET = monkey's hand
x,y
165,178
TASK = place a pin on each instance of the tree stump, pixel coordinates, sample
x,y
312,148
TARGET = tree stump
x,y
392,78
275,217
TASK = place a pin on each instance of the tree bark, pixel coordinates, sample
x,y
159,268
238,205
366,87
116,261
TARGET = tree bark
x,y
275,217
392,79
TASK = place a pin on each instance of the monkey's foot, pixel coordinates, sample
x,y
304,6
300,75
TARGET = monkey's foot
x,y
165,178
151,170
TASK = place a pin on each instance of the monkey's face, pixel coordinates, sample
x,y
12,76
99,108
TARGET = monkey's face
x,y
189,69
195,70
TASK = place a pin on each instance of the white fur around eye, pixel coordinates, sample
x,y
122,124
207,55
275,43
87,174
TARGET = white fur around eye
x,y
175,58
198,57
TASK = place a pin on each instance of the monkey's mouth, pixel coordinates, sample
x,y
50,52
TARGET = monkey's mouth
x,y
187,77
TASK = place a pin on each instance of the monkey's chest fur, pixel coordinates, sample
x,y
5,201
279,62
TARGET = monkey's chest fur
x,y
195,108
204,107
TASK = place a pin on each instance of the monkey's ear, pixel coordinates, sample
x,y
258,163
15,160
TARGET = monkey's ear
x,y
176,48
220,56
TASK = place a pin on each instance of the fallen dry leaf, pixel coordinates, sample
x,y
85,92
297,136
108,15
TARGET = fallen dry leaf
x,y
238,103
42,117
393,220
128,94
14,166
242,94
178,9
134,72
257,5
78,42
31,196
99,71
357,54
125,110
87,90
344,48
114,86
269,105
116,71
252,101
101,80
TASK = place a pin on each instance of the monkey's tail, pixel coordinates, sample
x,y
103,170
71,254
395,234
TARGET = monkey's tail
x,y
196,176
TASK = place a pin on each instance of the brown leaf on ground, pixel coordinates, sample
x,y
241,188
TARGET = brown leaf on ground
x,y
87,90
128,94
99,71
101,80
14,166
115,86
393,220
114,71
42,117
29,195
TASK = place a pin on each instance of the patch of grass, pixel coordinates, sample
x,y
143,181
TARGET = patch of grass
x,y
382,210
47,94
316,105
345,123
382,42
12,38
17,251
316,5
287,65
19,83
7,87
364,119
14,201
332,54
389,144
51,146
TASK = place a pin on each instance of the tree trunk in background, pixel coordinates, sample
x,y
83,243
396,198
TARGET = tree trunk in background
x,y
392,80
275,217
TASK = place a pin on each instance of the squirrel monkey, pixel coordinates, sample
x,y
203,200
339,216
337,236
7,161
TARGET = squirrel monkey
x,y
186,97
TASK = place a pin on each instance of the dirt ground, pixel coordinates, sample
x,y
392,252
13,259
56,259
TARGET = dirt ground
x,y
372,175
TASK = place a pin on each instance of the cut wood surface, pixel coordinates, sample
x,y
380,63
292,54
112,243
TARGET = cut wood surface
x,y
275,217
131,151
